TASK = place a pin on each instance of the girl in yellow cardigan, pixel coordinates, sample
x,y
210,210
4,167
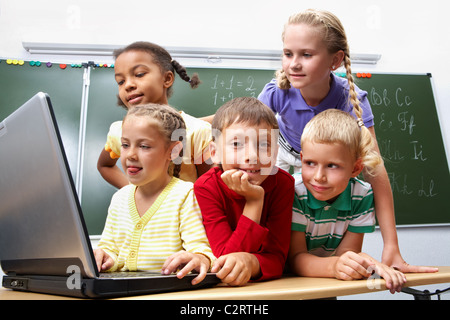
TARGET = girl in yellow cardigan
x,y
154,223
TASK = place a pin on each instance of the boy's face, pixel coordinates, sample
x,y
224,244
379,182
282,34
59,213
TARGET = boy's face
x,y
140,80
327,169
249,148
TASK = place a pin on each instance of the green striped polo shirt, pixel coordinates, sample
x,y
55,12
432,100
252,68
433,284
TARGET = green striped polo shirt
x,y
324,224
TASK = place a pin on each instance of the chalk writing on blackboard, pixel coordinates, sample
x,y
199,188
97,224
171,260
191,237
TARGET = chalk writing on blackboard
x,y
228,87
397,118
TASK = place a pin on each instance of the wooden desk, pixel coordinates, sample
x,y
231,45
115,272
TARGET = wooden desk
x,y
287,288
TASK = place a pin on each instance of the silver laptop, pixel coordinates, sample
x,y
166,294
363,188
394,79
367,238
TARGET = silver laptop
x,y
44,244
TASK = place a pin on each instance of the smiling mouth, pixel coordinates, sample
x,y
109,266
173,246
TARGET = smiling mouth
x,y
250,171
134,98
296,75
319,188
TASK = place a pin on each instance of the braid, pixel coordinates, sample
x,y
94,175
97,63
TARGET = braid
x,y
194,81
353,96
163,59
282,80
371,158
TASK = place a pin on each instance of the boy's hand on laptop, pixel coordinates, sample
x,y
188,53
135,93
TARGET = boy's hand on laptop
x,y
184,262
103,260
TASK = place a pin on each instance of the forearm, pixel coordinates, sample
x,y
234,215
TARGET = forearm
x,y
108,169
384,206
114,176
308,265
253,209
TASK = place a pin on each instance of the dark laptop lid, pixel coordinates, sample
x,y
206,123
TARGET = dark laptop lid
x,y
42,229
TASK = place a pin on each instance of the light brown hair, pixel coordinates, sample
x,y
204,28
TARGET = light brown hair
x,y
169,121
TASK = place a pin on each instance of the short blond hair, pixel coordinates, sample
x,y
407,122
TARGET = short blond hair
x,y
336,126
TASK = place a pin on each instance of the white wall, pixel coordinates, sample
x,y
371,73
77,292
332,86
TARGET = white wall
x,y
411,36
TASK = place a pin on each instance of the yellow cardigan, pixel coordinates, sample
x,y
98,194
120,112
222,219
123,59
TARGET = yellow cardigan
x,y
171,224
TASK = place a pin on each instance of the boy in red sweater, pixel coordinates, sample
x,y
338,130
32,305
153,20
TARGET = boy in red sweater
x,y
246,201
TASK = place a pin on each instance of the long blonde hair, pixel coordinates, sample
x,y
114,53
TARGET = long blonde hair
x,y
335,39
336,126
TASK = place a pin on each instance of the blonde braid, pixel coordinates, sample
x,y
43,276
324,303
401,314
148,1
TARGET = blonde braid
x,y
371,158
282,80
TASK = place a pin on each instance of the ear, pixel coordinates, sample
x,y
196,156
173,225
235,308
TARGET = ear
x,y
213,151
357,168
175,153
337,59
169,78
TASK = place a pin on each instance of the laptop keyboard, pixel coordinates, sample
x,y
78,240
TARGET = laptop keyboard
x,y
130,274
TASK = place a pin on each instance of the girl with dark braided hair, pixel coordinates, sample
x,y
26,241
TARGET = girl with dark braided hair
x,y
145,73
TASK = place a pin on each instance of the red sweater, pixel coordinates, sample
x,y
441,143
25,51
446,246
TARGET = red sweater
x,y
229,231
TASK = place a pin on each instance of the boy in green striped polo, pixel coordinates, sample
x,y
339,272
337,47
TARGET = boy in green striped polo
x,y
333,208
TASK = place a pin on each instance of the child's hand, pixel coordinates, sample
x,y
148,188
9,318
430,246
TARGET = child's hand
x,y
103,260
394,278
185,262
394,259
237,180
235,268
352,266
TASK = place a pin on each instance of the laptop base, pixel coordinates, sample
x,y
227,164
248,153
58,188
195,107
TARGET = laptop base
x,y
103,287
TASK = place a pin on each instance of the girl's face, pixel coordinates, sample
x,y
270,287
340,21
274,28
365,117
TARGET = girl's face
x,y
306,60
145,154
327,169
140,80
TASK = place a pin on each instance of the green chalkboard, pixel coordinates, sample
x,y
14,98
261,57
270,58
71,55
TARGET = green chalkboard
x,y
18,83
406,125
102,111
218,86
410,141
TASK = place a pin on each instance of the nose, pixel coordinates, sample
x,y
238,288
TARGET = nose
x,y
129,84
295,63
129,153
319,175
251,153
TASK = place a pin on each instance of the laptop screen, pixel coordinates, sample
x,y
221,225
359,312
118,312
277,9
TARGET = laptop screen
x,y
42,230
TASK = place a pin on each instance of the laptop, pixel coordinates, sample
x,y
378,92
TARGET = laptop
x,y
44,244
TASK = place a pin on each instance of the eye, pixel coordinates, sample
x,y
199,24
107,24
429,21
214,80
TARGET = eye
x,y
264,144
237,144
125,145
309,163
333,166
120,82
140,74
307,55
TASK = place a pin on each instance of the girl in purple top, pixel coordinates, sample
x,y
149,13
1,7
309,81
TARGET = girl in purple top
x,y
314,45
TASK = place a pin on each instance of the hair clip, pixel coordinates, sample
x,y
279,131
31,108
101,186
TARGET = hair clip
x,y
360,122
